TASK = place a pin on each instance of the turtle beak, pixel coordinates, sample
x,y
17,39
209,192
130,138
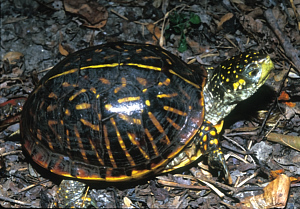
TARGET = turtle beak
x,y
266,65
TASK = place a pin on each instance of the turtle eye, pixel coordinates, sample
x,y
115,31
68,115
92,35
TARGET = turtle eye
x,y
253,73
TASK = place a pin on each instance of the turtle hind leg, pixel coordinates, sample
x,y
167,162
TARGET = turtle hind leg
x,y
209,144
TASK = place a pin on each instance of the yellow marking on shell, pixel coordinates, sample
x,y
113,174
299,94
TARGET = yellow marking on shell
x,y
238,84
51,108
39,134
144,90
152,142
64,73
185,93
122,144
123,81
171,109
67,112
227,79
68,139
128,99
175,125
216,141
132,137
107,145
65,84
206,128
167,95
118,47
52,95
51,123
143,66
99,116
96,152
49,142
138,51
79,142
169,62
92,89
83,106
147,102
76,94
142,81
97,96
109,57
62,122
102,66
108,106
188,81
158,126
89,124
205,147
150,57
130,119
98,50
104,80
89,59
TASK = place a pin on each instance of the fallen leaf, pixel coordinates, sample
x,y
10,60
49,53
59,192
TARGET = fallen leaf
x,y
275,195
95,14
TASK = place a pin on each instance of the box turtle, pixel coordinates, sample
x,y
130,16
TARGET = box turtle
x,y
123,111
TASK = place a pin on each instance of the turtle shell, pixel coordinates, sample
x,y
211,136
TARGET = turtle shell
x,y
113,112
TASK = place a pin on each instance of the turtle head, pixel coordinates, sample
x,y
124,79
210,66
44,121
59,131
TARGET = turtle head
x,y
242,75
235,80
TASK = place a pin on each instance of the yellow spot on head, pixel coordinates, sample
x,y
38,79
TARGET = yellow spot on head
x,y
52,95
128,99
83,106
147,102
108,106
67,112
93,90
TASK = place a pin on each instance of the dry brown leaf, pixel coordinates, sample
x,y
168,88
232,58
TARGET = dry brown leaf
x,y
62,50
154,30
13,57
225,18
275,195
95,14
291,141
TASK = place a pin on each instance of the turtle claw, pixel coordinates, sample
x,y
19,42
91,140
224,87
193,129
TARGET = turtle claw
x,y
217,161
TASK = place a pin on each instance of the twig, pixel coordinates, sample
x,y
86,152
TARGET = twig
x,y
290,51
17,201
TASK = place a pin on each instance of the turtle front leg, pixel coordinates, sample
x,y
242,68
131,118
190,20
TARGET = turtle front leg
x,y
209,144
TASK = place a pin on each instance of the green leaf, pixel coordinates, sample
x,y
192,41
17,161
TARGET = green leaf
x,y
195,19
182,45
